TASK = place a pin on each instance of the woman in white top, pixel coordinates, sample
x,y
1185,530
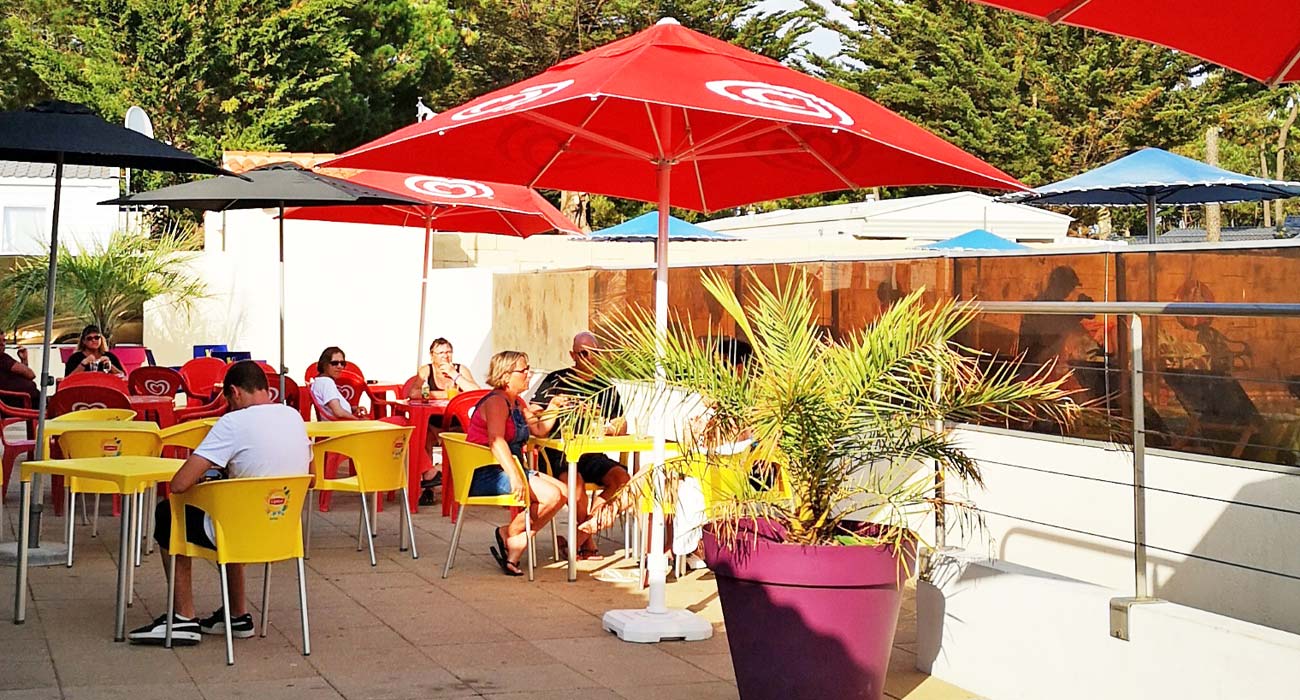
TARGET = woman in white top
x,y
325,389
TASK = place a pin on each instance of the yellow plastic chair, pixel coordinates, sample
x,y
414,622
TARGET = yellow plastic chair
x,y
254,521
186,435
465,457
378,466
78,444
97,414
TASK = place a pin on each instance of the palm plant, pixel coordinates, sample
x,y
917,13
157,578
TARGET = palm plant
x,y
849,430
108,283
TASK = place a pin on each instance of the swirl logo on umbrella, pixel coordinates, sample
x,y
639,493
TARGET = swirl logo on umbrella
x,y
512,101
449,188
781,98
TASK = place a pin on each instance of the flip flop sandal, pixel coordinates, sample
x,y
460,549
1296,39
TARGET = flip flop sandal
x,y
509,568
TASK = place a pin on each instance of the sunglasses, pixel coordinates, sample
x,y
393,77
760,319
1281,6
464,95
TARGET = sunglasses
x,y
94,337
339,363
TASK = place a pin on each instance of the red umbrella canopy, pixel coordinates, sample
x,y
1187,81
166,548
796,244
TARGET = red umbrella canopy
x,y
1260,39
450,204
735,127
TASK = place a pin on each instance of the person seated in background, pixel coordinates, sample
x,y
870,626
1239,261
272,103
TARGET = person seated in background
x,y
17,377
503,422
580,381
325,389
93,355
257,437
442,374
440,379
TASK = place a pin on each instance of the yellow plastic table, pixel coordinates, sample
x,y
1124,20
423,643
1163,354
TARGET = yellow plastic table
x,y
129,475
575,448
335,428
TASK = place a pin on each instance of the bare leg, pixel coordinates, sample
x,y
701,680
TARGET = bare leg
x,y
238,601
549,495
184,579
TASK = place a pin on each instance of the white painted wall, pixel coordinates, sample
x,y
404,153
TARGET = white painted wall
x,y
1012,633
1259,530
82,222
355,287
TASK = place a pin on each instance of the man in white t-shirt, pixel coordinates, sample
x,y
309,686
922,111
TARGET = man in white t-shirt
x,y
257,437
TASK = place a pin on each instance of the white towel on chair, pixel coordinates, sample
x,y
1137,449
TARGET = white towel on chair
x,y
688,516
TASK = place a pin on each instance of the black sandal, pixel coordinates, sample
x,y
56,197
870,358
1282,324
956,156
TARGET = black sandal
x,y
509,568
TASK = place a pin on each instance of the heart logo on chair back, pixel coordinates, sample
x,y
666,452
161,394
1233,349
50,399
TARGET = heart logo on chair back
x,y
157,387
275,393
348,393
84,405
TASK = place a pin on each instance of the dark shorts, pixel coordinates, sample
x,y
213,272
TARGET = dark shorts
x,y
592,467
195,533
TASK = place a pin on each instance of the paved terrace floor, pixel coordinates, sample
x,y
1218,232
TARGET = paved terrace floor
x,y
395,631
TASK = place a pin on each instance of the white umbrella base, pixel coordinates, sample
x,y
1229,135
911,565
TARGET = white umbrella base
x,y
644,627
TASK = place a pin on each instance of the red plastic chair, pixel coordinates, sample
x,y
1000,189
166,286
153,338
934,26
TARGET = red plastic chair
x,y
109,381
215,409
456,419
201,374
292,394
155,381
12,415
383,406
132,357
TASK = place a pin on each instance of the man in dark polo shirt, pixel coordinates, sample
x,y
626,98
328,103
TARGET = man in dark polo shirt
x,y
595,467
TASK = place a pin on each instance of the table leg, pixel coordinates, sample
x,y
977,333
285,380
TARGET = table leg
x,y
573,520
123,568
24,524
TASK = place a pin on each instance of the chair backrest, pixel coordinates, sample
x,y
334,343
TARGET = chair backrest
x,y
79,444
77,398
254,520
411,384
112,381
311,372
205,350
97,414
16,399
378,457
155,381
201,374
460,408
464,457
352,387
187,435
132,357
292,395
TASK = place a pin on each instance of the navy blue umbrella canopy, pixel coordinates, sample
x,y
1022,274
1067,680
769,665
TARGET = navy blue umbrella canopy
x,y
1152,177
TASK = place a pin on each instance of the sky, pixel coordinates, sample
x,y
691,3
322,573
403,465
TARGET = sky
x,y
822,42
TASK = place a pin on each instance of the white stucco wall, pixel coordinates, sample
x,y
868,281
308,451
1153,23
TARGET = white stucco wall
x,y
82,222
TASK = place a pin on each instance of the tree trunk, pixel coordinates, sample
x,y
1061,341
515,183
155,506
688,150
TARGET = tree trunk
x,y
1263,172
1212,211
1285,130
576,206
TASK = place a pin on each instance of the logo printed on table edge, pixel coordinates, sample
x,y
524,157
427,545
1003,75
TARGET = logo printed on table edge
x,y
779,97
506,103
448,187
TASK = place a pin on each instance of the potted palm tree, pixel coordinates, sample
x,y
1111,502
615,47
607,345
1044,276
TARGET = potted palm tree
x,y
821,458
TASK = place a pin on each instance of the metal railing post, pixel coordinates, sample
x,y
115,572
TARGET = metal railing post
x,y
940,516
1140,586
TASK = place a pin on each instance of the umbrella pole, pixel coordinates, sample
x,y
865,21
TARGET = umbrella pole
x,y
34,532
656,622
283,368
1151,218
424,289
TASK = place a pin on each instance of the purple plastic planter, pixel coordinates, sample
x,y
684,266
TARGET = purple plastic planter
x,y
808,622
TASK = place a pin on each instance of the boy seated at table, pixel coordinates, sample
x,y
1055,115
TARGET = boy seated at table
x,y
257,437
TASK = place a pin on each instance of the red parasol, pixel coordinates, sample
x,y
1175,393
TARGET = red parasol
x,y
1257,41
